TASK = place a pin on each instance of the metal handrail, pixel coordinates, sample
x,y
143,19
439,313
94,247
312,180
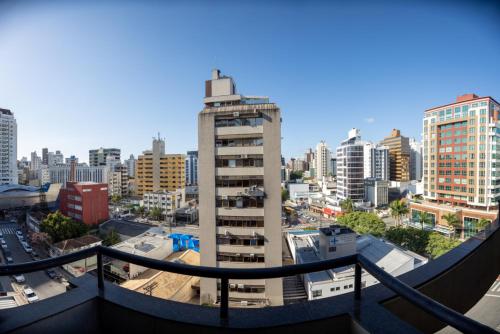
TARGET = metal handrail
x,y
429,305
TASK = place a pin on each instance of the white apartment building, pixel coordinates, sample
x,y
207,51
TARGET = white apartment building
x,y
8,147
239,143
376,161
54,159
416,162
350,168
118,180
323,161
167,201
35,162
130,162
83,173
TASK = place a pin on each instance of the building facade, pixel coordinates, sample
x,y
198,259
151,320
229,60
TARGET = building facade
x,y
376,161
130,162
399,156
192,168
461,152
377,191
8,147
98,156
350,168
416,162
167,201
83,173
118,180
156,171
85,201
240,205
323,163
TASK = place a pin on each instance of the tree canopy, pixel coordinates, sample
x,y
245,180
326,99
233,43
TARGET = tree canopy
x,y
60,227
363,222
347,205
155,213
398,210
297,174
111,238
419,241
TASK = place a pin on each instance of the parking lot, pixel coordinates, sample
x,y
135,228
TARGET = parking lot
x,y
39,282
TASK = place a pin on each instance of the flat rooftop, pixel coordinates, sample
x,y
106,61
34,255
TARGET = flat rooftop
x,y
126,228
335,229
143,244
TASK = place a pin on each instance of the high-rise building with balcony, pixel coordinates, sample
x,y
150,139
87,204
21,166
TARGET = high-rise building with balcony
x,y
98,156
323,163
239,143
8,147
350,168
157,171
192,168
399,156
35,162
461,150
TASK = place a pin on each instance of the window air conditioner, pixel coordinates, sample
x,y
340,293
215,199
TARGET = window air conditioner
x,y
236,114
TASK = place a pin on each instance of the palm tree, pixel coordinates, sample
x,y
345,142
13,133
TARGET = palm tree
x,y
398,210
482,223
424,218
347,205
453,221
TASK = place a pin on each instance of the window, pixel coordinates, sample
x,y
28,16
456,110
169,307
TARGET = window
x,y
317,293
332,249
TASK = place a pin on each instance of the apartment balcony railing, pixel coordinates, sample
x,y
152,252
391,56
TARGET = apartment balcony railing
x,y
418,311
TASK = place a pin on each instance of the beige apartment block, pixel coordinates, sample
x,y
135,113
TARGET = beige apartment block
x,y
239,191
157,171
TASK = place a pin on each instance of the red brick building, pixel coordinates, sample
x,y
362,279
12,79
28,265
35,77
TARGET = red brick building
x,y
85,201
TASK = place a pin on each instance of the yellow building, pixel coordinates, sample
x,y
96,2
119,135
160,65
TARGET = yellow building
x,y
156,171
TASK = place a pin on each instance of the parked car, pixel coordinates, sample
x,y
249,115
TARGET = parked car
x,y
19,233
19,278
1,235
51,273
27,248
30,294
9,259
3,243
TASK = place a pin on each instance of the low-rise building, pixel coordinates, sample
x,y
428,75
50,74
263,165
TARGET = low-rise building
x,y
85,201
68,246
338,241
376,192
167,201
150,244
298,191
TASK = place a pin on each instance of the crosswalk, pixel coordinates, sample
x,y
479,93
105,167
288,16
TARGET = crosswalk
x,y
8,230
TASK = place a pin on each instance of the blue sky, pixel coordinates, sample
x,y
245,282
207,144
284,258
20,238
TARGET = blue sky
x,y
81,76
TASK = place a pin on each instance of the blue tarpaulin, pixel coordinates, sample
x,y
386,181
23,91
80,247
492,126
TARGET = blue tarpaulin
x,y
184,241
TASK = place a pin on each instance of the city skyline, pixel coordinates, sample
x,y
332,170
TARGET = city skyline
x,y
123,78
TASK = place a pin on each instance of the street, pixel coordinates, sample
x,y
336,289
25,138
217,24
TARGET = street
x,y
42,284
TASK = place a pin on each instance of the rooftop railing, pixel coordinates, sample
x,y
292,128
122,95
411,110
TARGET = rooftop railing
x,y
443,313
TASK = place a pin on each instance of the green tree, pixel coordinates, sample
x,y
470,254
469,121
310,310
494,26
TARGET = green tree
x,y
111,238
398,210
453,221
140,210
284,195
363,223
155,213
482,223
439,245
424,218
297,174
418,197
347,205
60,227
410,238
115,199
